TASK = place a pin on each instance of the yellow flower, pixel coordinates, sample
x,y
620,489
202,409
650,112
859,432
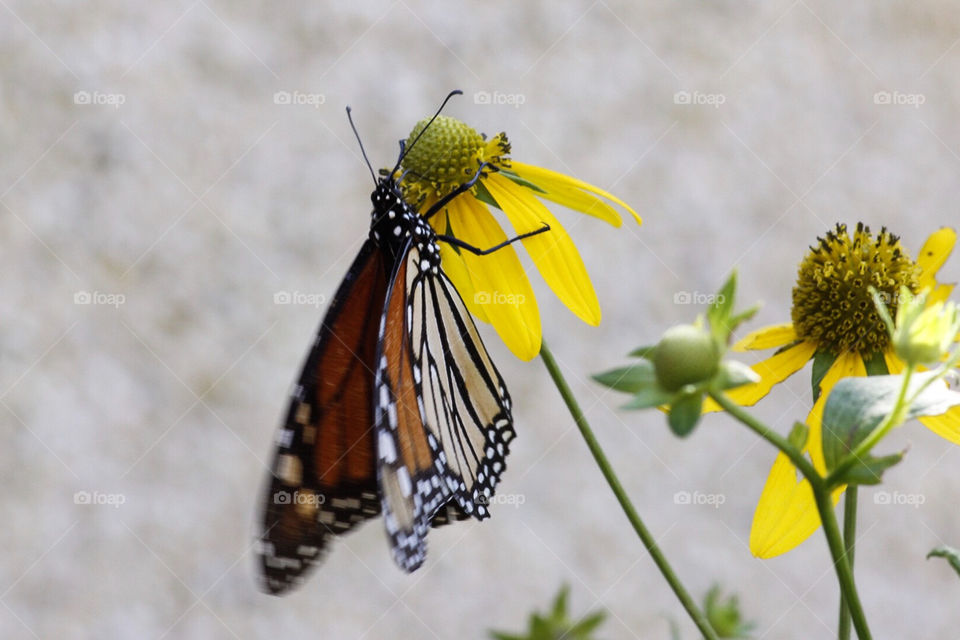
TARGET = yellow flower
x,y
495,286
835,323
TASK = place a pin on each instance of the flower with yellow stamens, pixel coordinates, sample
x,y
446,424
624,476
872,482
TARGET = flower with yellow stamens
x,y
495,286
836,324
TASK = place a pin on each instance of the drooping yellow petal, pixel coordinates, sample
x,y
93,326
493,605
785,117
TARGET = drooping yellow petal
x,y
584,203
773,370
786,513
934,253
940,293
546,179
552,251
456,270
501,286
776,335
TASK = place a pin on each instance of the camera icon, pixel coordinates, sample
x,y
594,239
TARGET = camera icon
x,y
882,97
682,97
482,297
81,97
881,497
82,497
281,97
82,297
681,497
281,497
481,97
682,297
282,297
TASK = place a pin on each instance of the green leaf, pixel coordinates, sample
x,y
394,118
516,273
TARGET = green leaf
x,y
588,624
869,470
557,624
798,435
631,379
724,615
485,196
718,314
822,361
649,398
685,413
733,373
876,365
506,173
644,352
856,406
950,554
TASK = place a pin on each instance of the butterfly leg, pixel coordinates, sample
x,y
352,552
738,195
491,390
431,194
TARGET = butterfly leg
x,y
482,252
466,186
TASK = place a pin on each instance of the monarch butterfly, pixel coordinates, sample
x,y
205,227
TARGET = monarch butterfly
x,y
398,409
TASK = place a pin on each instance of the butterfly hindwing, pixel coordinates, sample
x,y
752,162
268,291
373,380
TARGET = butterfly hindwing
x,y
323,478
443,417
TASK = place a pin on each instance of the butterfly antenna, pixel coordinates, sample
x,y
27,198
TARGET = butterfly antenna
x,y
404,152
360,142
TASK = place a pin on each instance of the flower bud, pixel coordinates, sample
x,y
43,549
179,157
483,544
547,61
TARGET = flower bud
x,y
923,335
685,355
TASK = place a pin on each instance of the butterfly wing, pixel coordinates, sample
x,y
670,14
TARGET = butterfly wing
x,y
443,413
324,479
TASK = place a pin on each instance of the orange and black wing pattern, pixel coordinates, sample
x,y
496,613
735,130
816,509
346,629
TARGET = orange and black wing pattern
x,y
443,418
324,477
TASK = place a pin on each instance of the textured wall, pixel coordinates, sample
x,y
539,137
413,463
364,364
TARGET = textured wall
x,y
198,198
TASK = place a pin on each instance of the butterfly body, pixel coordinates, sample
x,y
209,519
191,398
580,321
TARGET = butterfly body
x,y
398,410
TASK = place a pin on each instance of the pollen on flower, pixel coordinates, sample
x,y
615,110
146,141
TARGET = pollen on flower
x,y
447,155
832,304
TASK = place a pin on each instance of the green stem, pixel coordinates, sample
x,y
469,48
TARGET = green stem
x,y
849,543
645,536
821,494
848,587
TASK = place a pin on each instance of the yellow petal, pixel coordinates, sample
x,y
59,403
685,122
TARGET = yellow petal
x,y
500,284
934,253
940,293
584,203
548,180
786,514
552,251
947,425
773,370
847,365
456,269
776,335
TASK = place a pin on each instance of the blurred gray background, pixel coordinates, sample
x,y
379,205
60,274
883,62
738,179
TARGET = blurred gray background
x,y
147,164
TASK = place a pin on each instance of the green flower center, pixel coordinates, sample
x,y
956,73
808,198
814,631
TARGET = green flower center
x,y
447,154
832,304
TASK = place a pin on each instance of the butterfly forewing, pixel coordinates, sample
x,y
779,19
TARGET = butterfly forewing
x,y
324,469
